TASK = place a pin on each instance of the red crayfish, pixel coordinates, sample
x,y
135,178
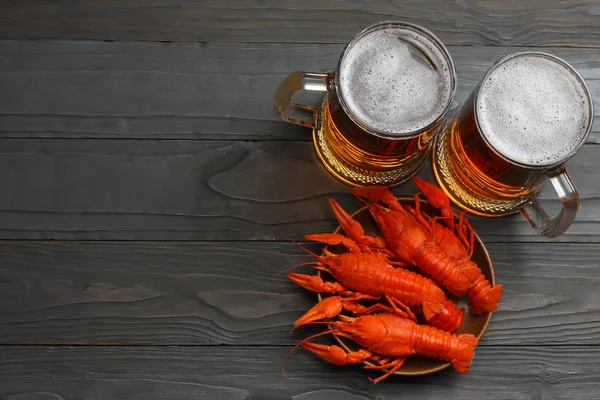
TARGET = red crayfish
x,y
416,239
374,268
386,339
367,275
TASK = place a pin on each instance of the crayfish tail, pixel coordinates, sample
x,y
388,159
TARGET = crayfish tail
x,y
483,296
461,366
468,339
496,293
466,350
449,319
431,309
469,269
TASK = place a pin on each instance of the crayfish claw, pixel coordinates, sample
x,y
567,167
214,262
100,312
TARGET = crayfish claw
x,y
350,227
325,309
437,198
333,239
378,193
314,283
335,354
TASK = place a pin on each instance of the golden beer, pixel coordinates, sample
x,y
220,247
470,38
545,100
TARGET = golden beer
x,y
476,177
528,116
393,86
358,158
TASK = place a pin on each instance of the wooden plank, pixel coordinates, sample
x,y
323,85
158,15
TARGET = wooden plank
x,y
255,373
185,90
479,22
205,190
147,293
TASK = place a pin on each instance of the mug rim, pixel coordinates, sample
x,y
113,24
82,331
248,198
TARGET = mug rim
x,y
572,70
435,41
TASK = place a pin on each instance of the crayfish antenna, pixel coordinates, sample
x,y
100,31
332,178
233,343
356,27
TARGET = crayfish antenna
x,y
296,243
314,323
361,199
296,266
328,331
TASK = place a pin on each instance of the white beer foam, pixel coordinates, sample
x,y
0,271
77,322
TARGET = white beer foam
x,y
533,110
388,83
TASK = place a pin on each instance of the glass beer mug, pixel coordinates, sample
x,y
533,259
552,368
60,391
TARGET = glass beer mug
x,y
530,113
393,86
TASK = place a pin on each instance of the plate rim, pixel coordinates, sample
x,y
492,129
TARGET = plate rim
x,y
491,279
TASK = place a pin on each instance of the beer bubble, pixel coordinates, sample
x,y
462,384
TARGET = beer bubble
x,y
531,110
394,79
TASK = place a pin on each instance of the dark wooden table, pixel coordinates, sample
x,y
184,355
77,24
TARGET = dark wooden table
x,y
142,169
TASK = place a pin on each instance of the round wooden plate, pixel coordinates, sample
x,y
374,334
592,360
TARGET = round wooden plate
x,y
475,325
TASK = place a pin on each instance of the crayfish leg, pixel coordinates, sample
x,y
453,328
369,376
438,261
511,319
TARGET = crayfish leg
x,y
401,309
393,367
465,229
380,360
376,307
400,264
418,214
395,307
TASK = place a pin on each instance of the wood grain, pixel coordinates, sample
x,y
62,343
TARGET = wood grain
x,y
477,22
174,294
186,90
148,293
206,190
255,373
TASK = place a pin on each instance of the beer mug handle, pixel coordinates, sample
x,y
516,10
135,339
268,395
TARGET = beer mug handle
x,y
300,80
569,197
